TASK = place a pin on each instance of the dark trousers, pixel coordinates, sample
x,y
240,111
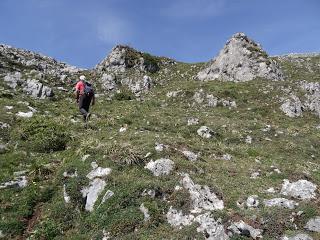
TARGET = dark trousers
x,y
84,105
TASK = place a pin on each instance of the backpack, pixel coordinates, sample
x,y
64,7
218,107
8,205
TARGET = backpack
x,y
88,89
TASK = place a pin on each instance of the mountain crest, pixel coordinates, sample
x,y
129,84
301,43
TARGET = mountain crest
x,y
241,60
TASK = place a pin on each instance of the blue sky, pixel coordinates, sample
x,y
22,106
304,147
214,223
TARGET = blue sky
x,y
82,32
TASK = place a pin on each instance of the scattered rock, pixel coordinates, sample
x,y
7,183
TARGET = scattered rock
x,y
201,196
313,225
244,229
70,174
193,121
252,201
66,197
19,181
280,202
292,107
241,60
4,125
92,192
145,212
25,114
191,156
301,189
160,167
106,196
248,139
205,132
98,172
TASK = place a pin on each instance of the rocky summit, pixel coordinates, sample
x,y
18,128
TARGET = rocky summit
x,y
241,60
167,153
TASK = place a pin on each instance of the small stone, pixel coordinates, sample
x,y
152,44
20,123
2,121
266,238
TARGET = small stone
x,y
99,172
160,167
191,156
205,132
280,202
248,139
193,121
145,212
25,114
252,201
66,197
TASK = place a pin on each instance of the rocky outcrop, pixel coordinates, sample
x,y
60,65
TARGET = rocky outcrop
x,y
15,59
123,57
30,86
241,60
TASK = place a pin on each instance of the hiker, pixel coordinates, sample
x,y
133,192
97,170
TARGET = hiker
x,y
84,95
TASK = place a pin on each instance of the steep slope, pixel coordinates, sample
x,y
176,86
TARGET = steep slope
x,y
187,159
241,60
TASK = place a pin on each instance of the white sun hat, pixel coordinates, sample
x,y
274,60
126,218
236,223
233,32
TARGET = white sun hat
x,y
82,77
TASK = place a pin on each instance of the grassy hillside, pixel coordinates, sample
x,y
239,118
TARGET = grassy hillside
x,y
55,141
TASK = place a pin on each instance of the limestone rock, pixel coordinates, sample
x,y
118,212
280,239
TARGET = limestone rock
x,y
124,57
92,193
13,79
205,132
191,156
160,167
66,197
108,82
37,89
301,189
19,181
252,201
292,106
177,219
241,60
280,202
145,212
201,196
211,228
313,225
98,172
244,229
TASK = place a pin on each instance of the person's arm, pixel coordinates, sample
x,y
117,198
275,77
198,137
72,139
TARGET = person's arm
x,y
76,94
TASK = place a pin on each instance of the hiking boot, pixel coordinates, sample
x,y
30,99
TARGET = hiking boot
x,y
88,117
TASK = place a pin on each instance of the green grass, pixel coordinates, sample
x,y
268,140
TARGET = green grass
x,y
32,146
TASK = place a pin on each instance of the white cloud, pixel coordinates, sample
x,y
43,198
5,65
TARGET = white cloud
x,y
195,8
113,30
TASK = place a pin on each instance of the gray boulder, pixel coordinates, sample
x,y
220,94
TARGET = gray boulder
x,y
205,132
280,202
241,60
37,89
201,196
160,167
292,106
313,225
243,229
13,79
301,189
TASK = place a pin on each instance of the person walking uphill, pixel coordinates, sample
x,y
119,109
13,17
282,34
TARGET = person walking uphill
x,y
84,96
